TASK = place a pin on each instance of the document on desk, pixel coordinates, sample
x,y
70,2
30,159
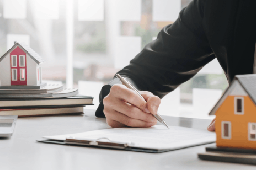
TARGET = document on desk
x,y
155,139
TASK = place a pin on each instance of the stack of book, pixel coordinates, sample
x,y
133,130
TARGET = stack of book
x,y
48,99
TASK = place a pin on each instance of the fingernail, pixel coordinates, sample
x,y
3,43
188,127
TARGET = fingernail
x,y
146,110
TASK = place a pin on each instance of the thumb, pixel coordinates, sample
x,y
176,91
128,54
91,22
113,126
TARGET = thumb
x,y
153,104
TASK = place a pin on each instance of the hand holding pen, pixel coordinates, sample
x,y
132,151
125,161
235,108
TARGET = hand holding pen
x,y
124,107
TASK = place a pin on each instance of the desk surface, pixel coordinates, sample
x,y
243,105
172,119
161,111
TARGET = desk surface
x,y
22,151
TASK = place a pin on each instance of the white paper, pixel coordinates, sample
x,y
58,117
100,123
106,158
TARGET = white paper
x,y
90,10
15,9
20,38
126,49
157,137
46,9
128,10
166,10
204,100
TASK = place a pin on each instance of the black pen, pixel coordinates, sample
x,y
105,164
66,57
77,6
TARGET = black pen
x,y
128,85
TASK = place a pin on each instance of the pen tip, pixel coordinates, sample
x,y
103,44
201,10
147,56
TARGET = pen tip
x,y
166,125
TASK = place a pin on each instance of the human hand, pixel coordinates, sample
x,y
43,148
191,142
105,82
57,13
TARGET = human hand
x,y
124,108
211,127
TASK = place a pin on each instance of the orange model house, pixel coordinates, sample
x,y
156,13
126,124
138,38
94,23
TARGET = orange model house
x,y
236,114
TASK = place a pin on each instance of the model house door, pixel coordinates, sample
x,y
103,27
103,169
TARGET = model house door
x,y
18,67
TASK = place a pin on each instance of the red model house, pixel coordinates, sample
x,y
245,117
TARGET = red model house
x,y
20,66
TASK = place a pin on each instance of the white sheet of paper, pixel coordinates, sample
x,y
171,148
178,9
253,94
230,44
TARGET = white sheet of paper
x,y
157,137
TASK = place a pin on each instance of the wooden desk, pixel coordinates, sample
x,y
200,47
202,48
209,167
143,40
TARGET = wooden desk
x,y
22,152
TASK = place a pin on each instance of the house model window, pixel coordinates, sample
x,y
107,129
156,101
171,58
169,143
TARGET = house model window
x,y
226,129
239,105
14,74
22,60
252,131
22,74
14,60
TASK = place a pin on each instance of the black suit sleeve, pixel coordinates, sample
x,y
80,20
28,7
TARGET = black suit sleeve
x,y
178,53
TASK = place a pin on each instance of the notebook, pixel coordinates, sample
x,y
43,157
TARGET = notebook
x,y
12,103
155,139
42,111
63,93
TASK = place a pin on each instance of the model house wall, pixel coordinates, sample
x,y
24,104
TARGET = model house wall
x,y
32,70
5,73
235,118
39,74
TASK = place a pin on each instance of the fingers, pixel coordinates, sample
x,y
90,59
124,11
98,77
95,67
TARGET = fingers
x,y
131,111
211,127
146,95
153,102
114,124
128,95
124,108
116,119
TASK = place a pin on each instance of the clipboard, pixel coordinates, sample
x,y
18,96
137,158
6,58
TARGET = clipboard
x,y
100,144
152,140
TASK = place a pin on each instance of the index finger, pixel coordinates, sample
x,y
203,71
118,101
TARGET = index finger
x,y
146,95
128,95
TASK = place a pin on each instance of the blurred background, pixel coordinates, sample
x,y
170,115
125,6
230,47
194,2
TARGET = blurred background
x,y
85,42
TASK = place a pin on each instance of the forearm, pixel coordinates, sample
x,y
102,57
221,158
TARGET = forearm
x,y
179,52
